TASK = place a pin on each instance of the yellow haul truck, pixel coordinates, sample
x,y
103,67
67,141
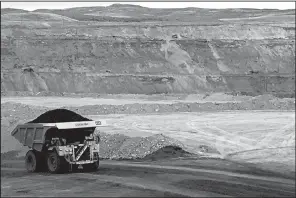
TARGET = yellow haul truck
x,y
60,147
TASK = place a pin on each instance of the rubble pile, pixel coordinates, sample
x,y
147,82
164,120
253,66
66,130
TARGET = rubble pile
x,y
119,146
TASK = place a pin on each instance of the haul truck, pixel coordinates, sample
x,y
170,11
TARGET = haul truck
x,y
60,147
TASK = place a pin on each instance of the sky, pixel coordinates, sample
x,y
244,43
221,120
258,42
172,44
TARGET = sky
x,y
216,5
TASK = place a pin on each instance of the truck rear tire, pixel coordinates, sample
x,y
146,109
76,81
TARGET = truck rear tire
x,y
33,161
55,163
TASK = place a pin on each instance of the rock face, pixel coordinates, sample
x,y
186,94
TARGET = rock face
x,y
253,55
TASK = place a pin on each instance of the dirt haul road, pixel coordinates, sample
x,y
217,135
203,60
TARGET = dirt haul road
x,y
162,178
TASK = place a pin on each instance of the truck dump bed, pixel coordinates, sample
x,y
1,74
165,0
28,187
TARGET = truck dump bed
x,y
33,134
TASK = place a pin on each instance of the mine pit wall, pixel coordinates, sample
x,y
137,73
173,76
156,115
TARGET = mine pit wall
x,y
278,85
282,86
197,59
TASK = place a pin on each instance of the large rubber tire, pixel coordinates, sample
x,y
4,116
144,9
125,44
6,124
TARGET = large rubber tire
x,y
55,163
91,167
33,164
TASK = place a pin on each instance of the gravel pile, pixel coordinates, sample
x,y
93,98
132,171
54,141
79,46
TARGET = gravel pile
x,y
119,146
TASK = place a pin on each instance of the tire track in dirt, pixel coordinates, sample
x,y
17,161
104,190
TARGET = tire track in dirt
x,y
186,169
151,185
280,133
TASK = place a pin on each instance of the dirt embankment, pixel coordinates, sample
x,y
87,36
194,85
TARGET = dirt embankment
x,y
148,58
